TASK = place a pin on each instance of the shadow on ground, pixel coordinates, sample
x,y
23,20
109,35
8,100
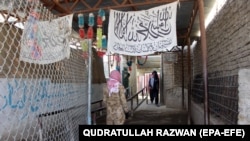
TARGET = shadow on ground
x,y
150,114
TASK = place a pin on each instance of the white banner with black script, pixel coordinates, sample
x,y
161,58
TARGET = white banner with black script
x,y
143,32
45,42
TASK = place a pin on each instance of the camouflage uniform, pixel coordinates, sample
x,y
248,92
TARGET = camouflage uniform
x,y
116,105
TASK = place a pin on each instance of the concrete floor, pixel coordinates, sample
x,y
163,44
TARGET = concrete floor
x,y
150,114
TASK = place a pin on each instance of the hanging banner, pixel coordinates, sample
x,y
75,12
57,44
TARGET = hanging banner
x,y
45,42
143,32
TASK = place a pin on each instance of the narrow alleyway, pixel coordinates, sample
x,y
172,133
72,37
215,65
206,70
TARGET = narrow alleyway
x,y
150,114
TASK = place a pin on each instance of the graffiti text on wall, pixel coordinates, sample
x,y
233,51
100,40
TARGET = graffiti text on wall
x,y
27,96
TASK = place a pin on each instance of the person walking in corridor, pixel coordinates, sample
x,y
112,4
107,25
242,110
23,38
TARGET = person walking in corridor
x,y
153,85
114,100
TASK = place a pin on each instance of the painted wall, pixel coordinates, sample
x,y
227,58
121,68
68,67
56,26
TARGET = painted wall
x,y
23,102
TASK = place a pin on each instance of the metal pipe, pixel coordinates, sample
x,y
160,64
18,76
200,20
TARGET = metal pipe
x,y
161,82
89,81
182,74
189,81
204,59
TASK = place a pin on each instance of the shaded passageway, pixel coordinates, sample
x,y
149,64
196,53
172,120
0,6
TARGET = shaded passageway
x,y
150,114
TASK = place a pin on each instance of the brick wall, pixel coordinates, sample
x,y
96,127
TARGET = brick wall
x,y
228,40
228,50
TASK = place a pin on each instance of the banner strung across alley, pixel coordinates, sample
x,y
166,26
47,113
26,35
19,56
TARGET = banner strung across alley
x,y
45,42
143,32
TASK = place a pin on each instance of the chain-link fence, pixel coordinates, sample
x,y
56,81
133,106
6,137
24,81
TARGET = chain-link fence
x,y
38,101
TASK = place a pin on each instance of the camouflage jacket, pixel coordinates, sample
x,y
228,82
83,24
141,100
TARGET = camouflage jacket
x,y
116,105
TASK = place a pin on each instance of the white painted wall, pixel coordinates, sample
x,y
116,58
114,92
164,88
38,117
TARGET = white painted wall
x,y
244,96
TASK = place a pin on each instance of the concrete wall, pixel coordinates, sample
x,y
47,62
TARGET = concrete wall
x,y
197,112
172,79
244,96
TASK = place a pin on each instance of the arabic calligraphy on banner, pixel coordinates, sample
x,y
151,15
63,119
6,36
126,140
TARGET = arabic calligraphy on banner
x,y
143,32
45,42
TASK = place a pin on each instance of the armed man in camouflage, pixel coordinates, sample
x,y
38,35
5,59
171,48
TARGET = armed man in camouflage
x,y
114,99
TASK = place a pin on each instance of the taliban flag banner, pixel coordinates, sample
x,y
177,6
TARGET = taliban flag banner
x,y
143,32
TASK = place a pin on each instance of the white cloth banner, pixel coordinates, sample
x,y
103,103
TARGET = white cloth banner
x,y
45,42
143,32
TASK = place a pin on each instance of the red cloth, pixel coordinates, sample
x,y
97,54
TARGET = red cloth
x,y
114,81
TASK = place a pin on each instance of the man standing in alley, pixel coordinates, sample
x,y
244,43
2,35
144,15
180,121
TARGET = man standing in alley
x,y
115,101
154,88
